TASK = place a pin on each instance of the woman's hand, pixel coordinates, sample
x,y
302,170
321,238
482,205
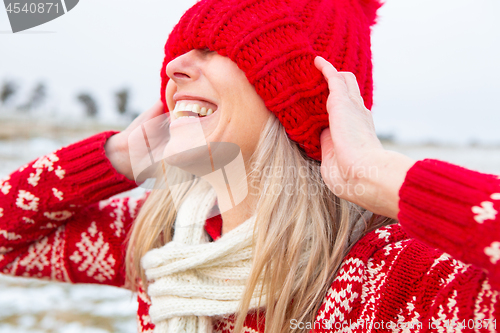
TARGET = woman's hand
x,y
117,149
355,166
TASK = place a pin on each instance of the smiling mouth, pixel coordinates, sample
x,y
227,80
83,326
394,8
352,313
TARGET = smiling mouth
x,y
193,109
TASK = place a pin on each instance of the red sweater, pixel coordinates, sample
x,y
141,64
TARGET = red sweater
x,y
438,268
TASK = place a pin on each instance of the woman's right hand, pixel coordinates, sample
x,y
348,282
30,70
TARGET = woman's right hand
x,y
117,149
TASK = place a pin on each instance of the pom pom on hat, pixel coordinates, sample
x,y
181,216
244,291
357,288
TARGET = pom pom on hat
x,y
275,42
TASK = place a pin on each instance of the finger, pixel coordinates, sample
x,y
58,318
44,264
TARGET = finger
x,y
322,63
327,151
158,107
352,84
156,110
336,82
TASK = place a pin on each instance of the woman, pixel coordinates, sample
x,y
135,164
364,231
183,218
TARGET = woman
x,y
320,256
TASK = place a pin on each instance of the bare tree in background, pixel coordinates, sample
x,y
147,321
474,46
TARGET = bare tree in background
x,y
122,100
89,103
7,91
37,97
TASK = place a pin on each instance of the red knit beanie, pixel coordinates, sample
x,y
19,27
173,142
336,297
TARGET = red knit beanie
x,y
275,42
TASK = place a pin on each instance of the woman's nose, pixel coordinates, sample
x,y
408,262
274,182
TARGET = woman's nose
x,y
184,68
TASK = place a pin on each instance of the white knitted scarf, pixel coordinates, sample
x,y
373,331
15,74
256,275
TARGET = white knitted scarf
x,y
193,279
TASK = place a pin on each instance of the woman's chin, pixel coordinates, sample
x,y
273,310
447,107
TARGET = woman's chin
x,y
188,144
194,159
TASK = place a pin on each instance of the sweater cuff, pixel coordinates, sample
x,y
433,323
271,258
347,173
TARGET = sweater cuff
x,y
439,204
89,171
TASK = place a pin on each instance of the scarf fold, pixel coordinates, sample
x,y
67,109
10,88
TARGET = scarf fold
x,y
194,280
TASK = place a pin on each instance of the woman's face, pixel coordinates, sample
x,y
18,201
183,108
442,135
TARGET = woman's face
x,y
204,82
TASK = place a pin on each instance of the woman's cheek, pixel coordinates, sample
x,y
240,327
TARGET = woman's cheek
x,y
170,90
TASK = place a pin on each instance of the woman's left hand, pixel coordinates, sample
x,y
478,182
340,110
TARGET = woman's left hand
x,y
354,165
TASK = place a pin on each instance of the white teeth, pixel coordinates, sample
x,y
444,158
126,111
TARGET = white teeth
x,y
192,107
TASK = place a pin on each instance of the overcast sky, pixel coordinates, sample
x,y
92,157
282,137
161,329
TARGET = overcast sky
x,y
436,68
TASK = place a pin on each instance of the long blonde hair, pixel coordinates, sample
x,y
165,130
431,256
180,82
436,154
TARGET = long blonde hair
x,y
296,213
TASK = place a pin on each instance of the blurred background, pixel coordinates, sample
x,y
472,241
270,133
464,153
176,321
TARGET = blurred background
x,y
95,68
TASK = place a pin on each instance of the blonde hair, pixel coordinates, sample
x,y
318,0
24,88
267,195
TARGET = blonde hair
x,y
296,213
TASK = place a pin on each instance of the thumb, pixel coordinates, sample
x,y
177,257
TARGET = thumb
x,y
327,151
157,109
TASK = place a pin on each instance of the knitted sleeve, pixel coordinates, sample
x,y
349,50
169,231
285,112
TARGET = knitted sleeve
x,y
53,222
455,210
390,282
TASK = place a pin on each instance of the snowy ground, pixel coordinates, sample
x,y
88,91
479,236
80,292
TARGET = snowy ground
x,y
28,305
484,159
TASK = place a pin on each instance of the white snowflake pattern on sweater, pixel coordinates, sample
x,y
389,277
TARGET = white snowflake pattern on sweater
x,y
93,255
